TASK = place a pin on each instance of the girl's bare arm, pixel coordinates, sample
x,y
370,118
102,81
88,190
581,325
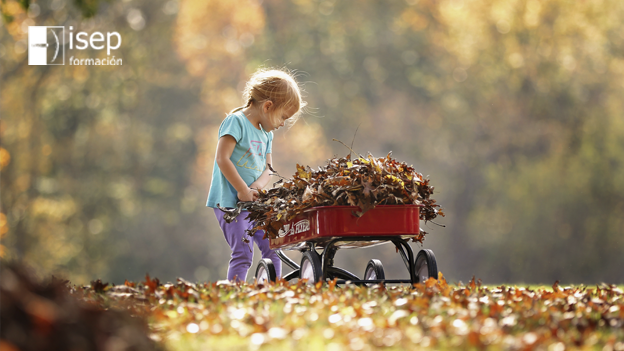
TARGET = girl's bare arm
x,y
264,178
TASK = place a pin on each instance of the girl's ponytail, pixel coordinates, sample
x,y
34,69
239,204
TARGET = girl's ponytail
x,y
249,101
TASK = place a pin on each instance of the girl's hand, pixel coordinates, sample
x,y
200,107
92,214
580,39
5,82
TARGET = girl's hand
x,y
248,195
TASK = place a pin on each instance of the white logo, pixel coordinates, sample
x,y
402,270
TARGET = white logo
x,y
46,45
292,229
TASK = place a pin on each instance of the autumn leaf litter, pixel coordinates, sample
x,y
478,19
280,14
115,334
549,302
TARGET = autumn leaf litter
x,y
434,314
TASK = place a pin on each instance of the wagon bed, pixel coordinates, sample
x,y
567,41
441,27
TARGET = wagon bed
x,y
320,225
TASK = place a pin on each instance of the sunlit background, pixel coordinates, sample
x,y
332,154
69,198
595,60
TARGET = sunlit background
x,y
513,108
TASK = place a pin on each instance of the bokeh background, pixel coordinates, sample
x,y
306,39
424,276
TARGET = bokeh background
x,y
513,108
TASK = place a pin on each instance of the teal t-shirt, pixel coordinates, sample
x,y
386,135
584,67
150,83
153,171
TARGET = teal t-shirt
x,y
249,158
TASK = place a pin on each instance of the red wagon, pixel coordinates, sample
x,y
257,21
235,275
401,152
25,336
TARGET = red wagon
x,y
329,228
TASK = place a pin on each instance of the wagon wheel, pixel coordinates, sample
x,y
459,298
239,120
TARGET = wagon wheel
x,y
265,271
310,268
374,270
425,266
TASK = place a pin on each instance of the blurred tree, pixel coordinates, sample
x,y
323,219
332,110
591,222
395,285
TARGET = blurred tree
x,y
102,157
88,8
512,107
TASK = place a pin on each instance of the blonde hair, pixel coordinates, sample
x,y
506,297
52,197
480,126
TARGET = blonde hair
x,y
277,86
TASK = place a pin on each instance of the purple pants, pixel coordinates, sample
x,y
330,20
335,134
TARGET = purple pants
x,y
242,252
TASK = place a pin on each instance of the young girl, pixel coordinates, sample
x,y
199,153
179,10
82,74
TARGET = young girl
x,y
273,99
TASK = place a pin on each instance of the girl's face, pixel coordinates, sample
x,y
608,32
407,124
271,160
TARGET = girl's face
x,y
274,119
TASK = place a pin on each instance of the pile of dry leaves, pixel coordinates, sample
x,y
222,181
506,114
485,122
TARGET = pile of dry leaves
x,y
363,182
51,315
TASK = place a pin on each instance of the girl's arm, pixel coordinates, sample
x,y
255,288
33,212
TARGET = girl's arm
x,y
225,147
264,178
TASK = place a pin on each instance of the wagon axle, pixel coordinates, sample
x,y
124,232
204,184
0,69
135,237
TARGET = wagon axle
x,y
316,267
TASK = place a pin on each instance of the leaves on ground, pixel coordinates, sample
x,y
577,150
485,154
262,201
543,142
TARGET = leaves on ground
x,y
38,315
432,315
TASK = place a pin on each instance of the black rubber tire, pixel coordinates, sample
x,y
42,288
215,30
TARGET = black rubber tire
x,y
374,266
266,265
425,266
312,259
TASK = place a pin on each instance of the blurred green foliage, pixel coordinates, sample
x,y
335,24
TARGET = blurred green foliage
x,y
514,109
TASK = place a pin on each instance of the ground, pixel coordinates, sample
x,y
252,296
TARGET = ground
x,y
435,315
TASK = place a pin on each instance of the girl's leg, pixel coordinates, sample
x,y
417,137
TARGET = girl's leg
x,y
263,245
242,253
